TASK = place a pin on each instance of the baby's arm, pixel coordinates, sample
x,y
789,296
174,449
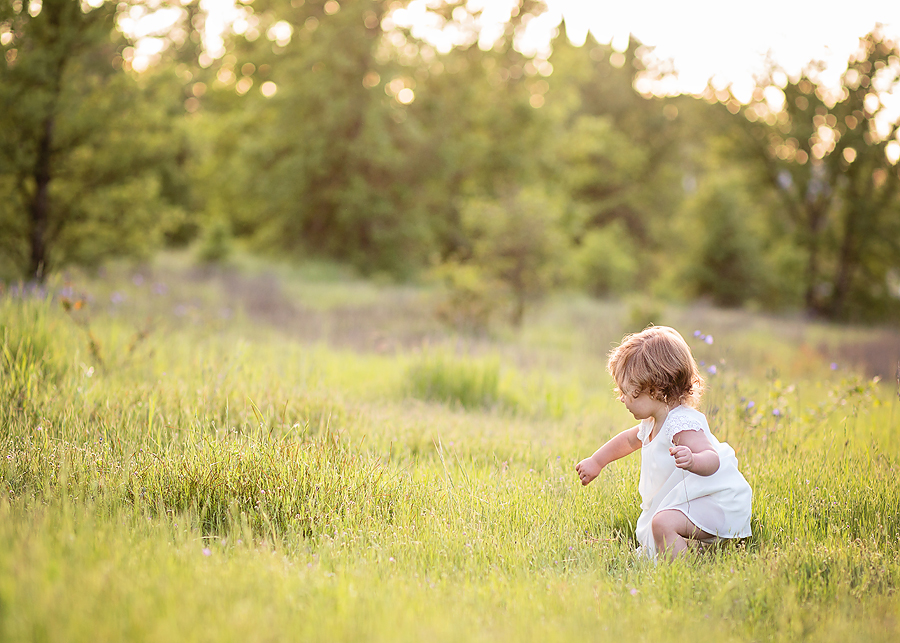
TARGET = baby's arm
x,y
694,453
623,444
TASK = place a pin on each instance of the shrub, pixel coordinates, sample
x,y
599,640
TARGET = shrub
x,y
606,262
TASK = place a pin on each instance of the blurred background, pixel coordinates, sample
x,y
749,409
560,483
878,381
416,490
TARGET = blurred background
x,y
505,149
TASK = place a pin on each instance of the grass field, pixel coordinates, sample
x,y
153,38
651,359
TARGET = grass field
x,y
268,453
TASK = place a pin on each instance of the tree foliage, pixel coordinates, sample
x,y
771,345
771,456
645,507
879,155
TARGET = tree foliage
x,y
516,241
308,157
723,253
83,150
832,159
333,129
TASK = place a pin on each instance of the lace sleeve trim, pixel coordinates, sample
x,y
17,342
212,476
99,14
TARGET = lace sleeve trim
x,y
681,423
644,430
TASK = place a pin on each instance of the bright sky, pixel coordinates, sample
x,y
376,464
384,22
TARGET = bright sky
x,y
723,40
728,40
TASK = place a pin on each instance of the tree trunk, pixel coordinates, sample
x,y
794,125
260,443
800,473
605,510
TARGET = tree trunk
x,y
813,304
811,277
40,204
849,256
60,14
846,265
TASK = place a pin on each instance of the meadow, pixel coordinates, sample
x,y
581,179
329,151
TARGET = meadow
x,y
273,453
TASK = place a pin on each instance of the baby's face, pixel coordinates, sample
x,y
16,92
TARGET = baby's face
x,y
640,405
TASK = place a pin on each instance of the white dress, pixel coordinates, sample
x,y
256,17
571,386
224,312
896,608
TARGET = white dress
x,y
718,504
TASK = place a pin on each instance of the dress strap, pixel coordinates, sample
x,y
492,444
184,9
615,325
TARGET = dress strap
x,y
679,423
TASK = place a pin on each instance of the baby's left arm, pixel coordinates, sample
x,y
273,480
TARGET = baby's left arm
x,y
694,453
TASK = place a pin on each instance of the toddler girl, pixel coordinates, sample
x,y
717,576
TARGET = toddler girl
x,y
690,485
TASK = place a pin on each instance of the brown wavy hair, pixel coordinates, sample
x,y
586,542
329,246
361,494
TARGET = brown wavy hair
x,y
657,361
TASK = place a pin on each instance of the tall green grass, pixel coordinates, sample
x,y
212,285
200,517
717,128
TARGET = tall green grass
x,y
32,347
471,383
211,481
484,383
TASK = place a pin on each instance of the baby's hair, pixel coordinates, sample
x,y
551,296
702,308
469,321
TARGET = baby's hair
x,y
657,361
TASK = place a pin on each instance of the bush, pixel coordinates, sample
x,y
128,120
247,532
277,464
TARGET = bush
x,y
470,299
723,253
216,244
606,262
515,241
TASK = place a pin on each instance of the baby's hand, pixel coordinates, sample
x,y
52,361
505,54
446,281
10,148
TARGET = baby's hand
x,y
684,457
588,470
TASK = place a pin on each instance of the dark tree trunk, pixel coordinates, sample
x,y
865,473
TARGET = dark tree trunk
x,y
59,13
849,254
40,204
812,301
812,270
846,264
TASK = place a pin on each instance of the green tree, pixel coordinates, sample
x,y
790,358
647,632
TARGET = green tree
x,y
606,262
619,157
721,250
480,137
308,151
480,134
634,179
372,141
832,160
80,150
515,241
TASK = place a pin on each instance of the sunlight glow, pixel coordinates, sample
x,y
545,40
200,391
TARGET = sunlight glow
x,y
371,79
892,152
280,33
698,41
243,85
707,38
268,89
688,45
774,98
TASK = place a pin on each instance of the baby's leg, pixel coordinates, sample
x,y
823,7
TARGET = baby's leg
x,y
671,530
